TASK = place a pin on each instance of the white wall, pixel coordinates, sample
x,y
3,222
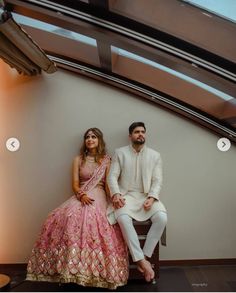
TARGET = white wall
x,y
49,114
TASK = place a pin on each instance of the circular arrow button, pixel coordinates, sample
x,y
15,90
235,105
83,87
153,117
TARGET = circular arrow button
x,y
13,144
223,144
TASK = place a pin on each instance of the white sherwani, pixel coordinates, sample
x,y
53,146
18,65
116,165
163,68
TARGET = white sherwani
x,y
136,175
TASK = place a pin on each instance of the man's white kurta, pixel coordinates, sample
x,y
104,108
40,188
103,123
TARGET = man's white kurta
x,y
136,175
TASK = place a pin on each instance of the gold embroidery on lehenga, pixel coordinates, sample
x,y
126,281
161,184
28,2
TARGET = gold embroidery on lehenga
x,y
77,244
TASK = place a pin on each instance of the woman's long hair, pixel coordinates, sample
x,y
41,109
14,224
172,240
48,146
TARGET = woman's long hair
x,y
101,149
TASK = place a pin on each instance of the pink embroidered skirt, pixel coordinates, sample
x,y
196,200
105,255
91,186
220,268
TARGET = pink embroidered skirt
x,y
77,244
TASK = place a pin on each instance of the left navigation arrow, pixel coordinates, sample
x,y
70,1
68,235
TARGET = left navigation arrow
x,y
12,144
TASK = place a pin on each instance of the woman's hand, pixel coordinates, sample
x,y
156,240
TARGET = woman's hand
x,y
79,194
86,200
118,201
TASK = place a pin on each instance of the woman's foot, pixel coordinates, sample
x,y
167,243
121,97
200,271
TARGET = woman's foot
x,y
144,266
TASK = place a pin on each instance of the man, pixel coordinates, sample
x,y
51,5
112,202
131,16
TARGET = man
x,y
135,180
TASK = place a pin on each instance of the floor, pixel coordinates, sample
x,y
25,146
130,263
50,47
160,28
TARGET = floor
x,y
176,279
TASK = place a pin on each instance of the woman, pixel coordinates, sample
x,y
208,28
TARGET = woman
x,y
76,243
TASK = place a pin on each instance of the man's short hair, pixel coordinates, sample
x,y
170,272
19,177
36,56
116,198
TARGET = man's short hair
x,y
136,124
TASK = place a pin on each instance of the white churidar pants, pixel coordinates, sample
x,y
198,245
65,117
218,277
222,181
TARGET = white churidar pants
x,y
159,220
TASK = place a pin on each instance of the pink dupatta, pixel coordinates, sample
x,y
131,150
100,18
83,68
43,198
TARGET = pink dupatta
x,y
97,175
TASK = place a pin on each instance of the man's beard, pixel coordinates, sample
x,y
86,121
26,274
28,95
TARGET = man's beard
x,y
139,142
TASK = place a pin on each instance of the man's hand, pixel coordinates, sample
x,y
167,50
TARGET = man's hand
x,y
148,203
118,201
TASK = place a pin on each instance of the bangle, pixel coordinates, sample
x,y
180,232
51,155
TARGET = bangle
x,y
81,196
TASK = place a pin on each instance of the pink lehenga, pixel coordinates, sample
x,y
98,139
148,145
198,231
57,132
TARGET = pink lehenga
x,y
77,244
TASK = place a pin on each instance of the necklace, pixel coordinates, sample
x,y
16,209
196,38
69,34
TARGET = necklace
x,y
90,159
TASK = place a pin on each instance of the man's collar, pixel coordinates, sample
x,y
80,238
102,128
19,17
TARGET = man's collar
x,y
134,150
